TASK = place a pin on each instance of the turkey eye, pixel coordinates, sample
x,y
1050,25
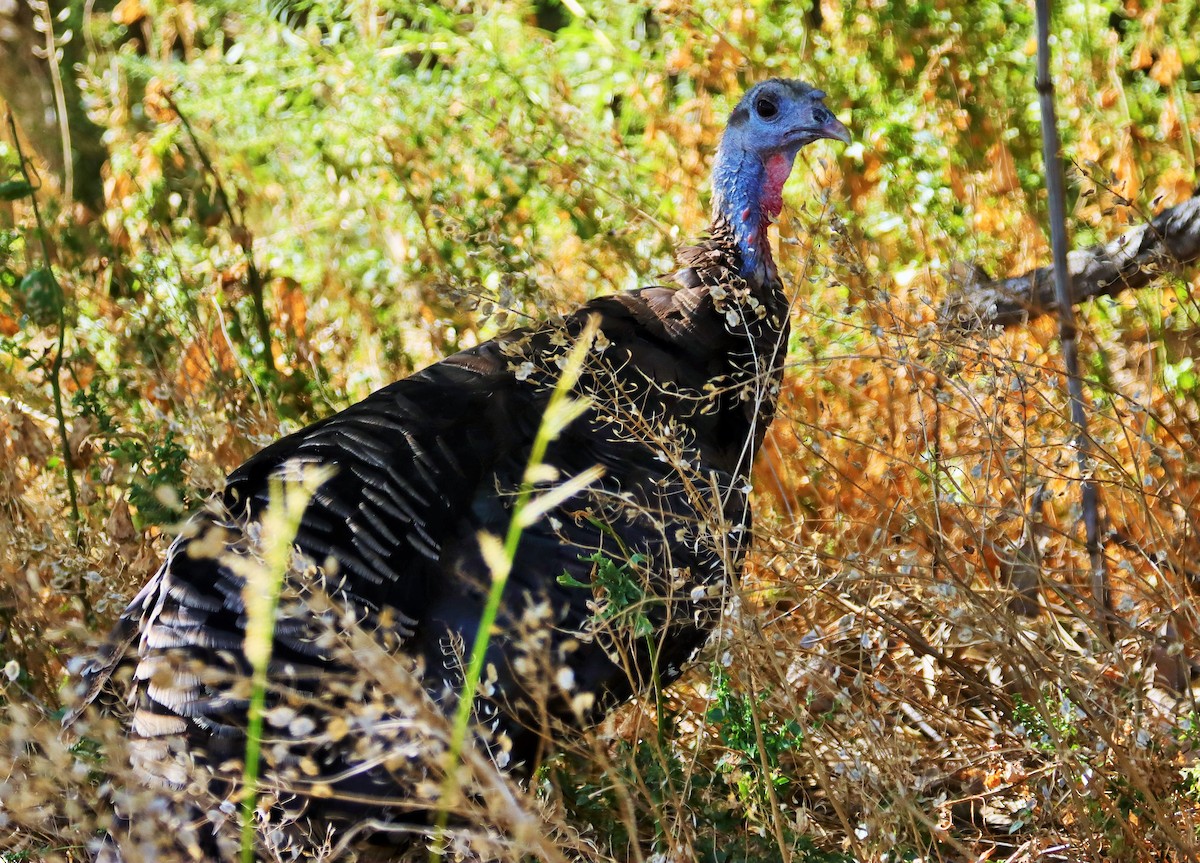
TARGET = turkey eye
x,y
766,108
821,116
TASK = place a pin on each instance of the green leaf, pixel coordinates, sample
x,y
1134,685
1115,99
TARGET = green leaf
x,y
568,580
14,190
42,296
1181,376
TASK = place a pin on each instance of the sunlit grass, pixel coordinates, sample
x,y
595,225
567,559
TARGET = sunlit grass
x,y
562,409
410,187
263,583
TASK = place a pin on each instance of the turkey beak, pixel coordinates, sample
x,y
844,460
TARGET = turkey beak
x,y
834,130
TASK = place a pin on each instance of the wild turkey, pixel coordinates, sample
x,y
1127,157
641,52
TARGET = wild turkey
x,y
682,383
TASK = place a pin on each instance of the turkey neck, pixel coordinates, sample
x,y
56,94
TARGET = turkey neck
x,y
747,196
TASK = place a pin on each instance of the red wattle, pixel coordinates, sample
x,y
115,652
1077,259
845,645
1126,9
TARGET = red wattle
x,y
778,168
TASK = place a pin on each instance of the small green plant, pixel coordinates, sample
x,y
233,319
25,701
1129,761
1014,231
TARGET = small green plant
x,y
159,487
1051,723
664,780
622,595
668,787
755,740
1180,377
1190,787
732,715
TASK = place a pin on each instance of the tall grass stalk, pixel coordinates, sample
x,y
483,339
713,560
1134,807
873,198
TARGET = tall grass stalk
x,y
561,411
56,366
264,581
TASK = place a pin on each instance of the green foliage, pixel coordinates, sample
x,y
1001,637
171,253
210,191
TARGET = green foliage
x,y
40,297
1051,724
159,488
1180,377
669,782
156,464
733,716
622,600
748,764
410,178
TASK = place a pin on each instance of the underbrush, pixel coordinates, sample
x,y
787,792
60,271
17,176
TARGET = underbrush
x,y
915,665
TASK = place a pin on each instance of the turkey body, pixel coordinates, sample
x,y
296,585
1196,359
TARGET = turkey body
x,y
680,383
680,397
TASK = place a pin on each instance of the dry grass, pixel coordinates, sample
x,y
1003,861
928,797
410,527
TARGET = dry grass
x,y
912,663
913,666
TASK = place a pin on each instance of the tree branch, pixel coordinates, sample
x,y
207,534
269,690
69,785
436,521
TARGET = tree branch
x,y
1132,260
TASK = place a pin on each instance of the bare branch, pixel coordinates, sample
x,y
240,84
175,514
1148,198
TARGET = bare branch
x,y
1132,260
1068,336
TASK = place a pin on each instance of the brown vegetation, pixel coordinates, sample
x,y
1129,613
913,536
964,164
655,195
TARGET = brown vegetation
x,y
915,664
